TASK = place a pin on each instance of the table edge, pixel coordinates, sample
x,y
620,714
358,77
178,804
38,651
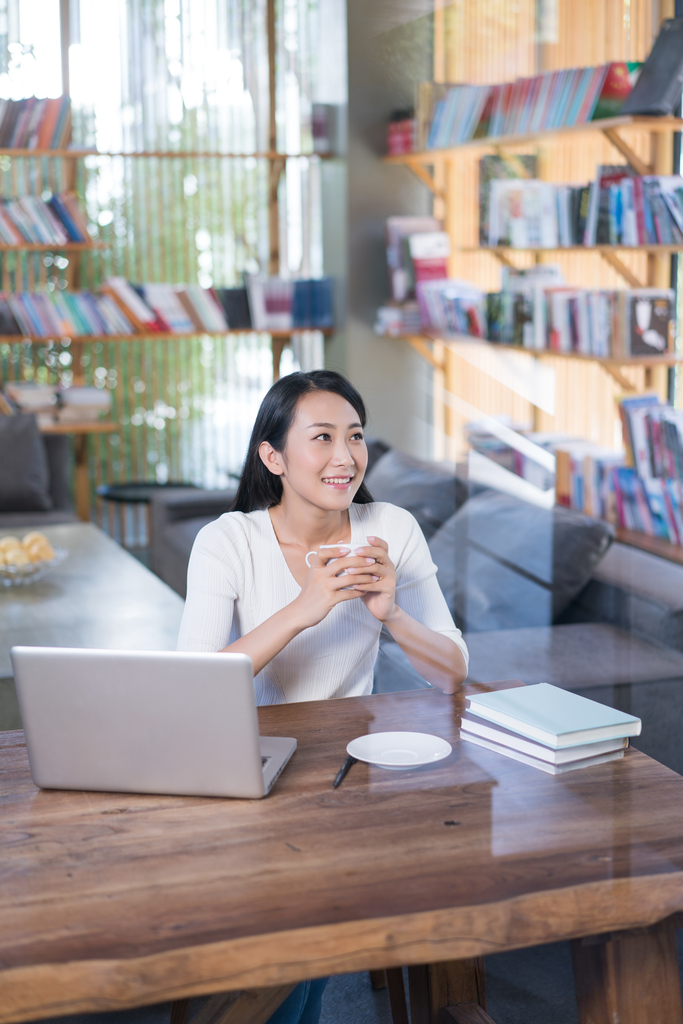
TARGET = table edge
x,y
46,990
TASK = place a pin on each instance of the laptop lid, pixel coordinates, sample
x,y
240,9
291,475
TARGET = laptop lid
x,y
140,721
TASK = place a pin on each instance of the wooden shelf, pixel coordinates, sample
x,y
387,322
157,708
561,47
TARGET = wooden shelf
x,y
666,359
506,249
17,339
79,154
53,247
607,124
653,545
81,427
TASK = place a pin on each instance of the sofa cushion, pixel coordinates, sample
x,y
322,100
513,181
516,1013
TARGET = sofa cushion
x,y
176,545
638,592
576,657
430,491
505,564
11,521
25,480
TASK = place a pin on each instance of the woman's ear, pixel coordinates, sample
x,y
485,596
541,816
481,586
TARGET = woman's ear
x,y
271,459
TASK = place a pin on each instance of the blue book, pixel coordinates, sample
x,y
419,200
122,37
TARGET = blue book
x,y
554,717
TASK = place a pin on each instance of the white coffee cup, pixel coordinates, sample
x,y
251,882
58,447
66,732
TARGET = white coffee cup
x,y
325,547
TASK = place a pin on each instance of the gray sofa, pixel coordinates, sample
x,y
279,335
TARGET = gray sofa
x,y
541,595
35,480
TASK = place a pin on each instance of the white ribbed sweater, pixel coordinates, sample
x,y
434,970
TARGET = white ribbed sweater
x,y
238,577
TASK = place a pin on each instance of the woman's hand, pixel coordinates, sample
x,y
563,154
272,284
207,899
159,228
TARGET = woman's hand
x,y
378,594
324,588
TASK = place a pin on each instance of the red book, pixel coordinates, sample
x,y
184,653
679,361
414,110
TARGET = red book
x,y
638,205
49,122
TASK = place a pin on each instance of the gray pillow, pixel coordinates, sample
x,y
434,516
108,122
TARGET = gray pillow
x,y
505,564
24,475
430,491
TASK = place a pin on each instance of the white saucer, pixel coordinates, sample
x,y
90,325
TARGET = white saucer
x,y
399,749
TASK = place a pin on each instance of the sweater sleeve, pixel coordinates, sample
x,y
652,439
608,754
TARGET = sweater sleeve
x,y
417,590
214,581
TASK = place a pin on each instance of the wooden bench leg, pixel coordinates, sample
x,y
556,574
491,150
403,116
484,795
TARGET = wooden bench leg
x,y
434,987
397,995
465,1013
250,1006
378,980
629,977
179,1011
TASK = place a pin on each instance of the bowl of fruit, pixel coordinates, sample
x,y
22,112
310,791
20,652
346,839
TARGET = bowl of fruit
x,y
27,560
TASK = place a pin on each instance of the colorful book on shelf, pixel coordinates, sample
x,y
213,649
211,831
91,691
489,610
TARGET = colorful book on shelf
x,y
399,265
140,314
620,78
618,208
165,302
31,219
235,305
453,115
499,167
34,123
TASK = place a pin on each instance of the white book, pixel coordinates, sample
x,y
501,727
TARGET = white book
x,y
130,299
471,724
167,305
543,766
553,717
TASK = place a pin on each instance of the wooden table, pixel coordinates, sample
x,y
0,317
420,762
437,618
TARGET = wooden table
x,y
110,901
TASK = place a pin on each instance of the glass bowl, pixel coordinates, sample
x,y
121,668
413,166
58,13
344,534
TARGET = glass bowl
x,y
21,575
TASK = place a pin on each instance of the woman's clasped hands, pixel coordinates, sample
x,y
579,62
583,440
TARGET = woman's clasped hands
x,y
334,578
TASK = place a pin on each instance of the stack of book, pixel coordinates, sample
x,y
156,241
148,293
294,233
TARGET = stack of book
x,y
53,404
548,728
618,208
32,219
401,133
398,320
452,115
35,123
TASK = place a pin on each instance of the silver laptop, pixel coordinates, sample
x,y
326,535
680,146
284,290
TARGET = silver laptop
x,y
145,722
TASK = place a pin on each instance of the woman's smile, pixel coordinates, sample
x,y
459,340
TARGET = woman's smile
x,y
339,483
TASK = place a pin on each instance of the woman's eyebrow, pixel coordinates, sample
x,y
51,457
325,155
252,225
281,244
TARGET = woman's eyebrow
x,y
332,426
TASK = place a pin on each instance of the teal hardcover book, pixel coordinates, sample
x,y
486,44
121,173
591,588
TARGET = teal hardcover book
x,y
557,718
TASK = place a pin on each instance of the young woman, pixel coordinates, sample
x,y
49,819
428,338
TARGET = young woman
x,y
313,633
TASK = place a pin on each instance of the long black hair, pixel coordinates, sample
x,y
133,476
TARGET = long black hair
x,y
258,487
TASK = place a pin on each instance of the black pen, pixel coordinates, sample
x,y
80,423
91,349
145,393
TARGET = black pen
x,y
343,770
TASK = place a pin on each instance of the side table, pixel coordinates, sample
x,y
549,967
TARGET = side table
x,y
136,492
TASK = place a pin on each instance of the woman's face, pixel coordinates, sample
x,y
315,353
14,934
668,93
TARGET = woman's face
x,y
325,457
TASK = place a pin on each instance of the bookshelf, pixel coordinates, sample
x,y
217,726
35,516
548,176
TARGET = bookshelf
x,y
564,154
653,545
53,247
610,127
611,364
18,339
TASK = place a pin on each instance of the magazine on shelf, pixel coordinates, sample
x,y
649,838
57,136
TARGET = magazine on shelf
x,y
658,89
398,230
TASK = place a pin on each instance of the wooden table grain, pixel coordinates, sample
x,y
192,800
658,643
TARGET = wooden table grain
x,y
110,901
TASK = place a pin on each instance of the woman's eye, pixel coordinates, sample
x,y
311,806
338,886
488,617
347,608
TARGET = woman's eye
x,y
357,437
322,437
